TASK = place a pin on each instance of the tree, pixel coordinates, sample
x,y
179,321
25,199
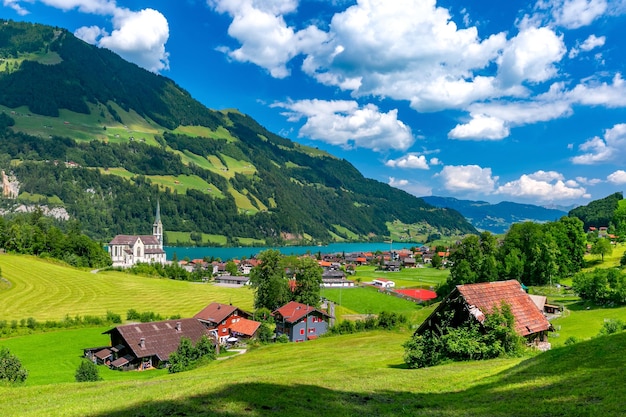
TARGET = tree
x,y
602,247
269,282
87,372
308,275
11,368
231,268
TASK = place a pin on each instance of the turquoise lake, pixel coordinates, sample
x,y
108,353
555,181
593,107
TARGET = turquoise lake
x,y
225,253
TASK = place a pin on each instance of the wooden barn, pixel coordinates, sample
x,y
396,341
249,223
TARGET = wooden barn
x,y
473,301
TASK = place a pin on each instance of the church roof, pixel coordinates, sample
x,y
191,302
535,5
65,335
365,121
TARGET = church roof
x,y
130,240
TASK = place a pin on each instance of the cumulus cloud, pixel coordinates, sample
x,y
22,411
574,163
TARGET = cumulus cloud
x,y
595,93
345,123
531,56
468,178
411,160
543,186
588,44
573,14
618,177
481,127
610,148
14,4
265,38
90,34
588,181
411,187
137,36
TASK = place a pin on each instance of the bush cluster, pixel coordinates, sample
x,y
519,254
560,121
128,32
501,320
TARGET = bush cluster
x,y
495,337
188,356
30,324
11,369
385,320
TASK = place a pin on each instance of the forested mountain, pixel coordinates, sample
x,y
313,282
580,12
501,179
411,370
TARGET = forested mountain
x,y
496,218
83,129
602,213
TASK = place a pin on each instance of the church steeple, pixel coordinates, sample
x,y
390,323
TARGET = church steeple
x,y
157,226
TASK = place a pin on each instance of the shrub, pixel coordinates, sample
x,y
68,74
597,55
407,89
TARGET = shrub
x,y
87,372
612,326
113,318
188,356
283,338
11,369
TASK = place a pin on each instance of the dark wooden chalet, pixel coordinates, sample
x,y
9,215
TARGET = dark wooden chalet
x,y
145,345
473,301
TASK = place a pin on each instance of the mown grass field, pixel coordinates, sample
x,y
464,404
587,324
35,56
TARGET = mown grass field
x,y
406,278
350,375
367,300
48,291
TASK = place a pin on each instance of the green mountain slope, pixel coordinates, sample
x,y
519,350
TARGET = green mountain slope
x,y
84,129
598,213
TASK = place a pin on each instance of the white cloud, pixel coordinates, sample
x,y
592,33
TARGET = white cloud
x,y
140,37
543,186
265,38
592,42
618,177
573,14
411,187
464,178
589,44
411,160
14,4
398,183
610,148
530,56
349,125
90,34
594,93
588,181
137,36
435,161
480,127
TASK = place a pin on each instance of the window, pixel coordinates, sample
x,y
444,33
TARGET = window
x,y
301,332
312,330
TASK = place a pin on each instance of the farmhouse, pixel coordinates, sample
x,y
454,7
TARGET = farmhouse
x,y
232,280
300,322
128,250
146,345
335,278
220,319
473,301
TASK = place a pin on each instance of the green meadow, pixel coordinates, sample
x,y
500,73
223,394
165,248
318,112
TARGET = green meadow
x,y
350,375
361,374
46,290
406,278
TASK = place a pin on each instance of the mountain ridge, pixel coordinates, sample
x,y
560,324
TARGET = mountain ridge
x,y
134,137
496,218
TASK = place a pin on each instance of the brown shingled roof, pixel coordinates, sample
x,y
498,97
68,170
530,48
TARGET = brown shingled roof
x,y
161,338
294,311
216,312
482,298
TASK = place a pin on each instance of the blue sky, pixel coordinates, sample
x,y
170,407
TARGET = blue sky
x,y
483,100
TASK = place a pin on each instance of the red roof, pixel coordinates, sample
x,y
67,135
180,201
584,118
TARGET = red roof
x,y
294,311
216,312
245,327
482,298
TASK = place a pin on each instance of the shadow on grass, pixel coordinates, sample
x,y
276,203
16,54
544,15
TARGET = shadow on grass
x,y
584,379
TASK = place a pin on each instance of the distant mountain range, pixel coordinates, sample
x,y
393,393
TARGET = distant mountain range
x,y
82,129
496,218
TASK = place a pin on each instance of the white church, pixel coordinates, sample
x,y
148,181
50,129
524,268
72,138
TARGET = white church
x,y
128,250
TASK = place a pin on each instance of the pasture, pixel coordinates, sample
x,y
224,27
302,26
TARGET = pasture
x,y
46,290
365,377
426,277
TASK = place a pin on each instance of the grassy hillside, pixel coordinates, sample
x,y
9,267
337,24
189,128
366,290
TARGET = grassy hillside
x,y
48,291
366,377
